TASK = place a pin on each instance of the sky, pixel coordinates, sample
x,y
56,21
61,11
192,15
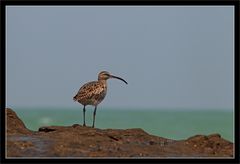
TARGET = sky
x,y
172,57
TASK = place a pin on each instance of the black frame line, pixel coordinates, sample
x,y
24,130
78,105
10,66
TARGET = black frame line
x,y
5,3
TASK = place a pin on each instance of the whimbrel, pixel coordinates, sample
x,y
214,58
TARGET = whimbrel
x,y
92,93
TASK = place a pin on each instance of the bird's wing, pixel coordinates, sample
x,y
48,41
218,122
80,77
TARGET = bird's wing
x,y
87,91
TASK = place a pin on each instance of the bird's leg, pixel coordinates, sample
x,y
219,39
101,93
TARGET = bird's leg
x,y
94,114
84,110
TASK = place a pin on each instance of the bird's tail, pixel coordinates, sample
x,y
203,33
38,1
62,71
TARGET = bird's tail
x,y
75,98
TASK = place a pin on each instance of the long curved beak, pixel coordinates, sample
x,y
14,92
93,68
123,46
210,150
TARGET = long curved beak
x,y
119,78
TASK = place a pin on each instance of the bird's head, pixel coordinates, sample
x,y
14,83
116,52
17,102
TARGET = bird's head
x,y
104,75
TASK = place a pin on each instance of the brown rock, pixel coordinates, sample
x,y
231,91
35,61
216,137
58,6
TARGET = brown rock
x,y
14,124
79,141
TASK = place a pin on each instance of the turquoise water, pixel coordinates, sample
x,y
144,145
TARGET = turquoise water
x,y
178,124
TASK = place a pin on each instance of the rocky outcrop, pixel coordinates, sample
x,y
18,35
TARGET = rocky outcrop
x,y
79,141
14,124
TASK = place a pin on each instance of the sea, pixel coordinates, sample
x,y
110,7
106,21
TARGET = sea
x,y
172,124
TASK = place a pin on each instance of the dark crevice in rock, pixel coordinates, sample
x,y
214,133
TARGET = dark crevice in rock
x,y
46,129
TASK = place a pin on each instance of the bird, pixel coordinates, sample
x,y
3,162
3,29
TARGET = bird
x,y
92,93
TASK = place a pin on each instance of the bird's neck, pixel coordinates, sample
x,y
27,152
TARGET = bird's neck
x,y
104,82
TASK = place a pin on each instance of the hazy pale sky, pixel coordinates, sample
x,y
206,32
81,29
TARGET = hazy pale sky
x,y
171,56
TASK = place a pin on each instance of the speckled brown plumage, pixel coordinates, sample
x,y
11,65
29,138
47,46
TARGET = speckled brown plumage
x,y
92,93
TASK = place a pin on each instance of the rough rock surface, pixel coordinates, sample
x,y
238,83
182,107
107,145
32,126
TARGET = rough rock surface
x,y
79,141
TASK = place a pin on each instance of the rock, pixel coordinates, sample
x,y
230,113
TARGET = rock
x,y
14,124
79,141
